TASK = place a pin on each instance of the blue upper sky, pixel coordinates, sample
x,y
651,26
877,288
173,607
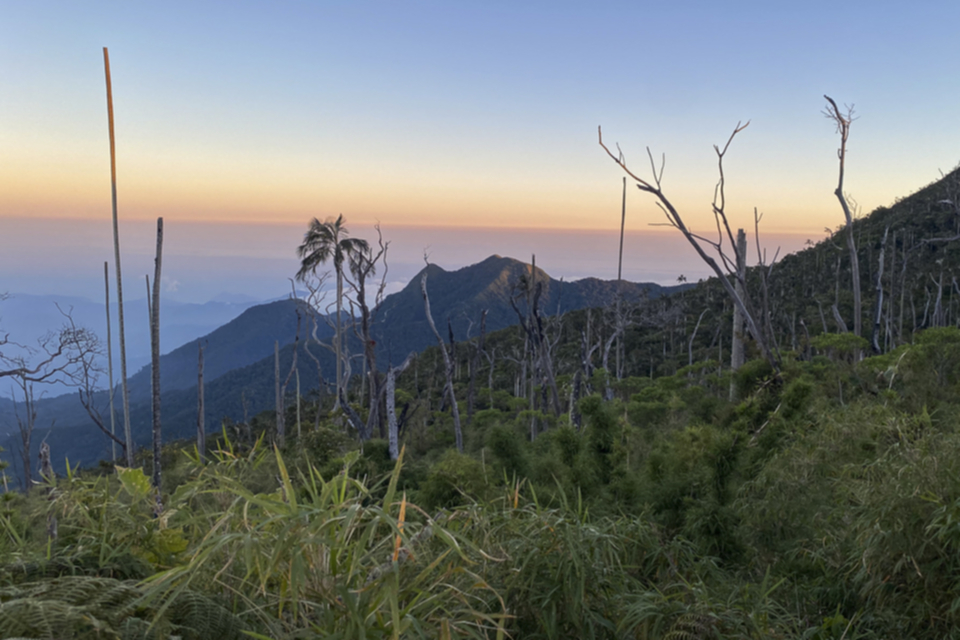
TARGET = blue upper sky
x,y
468,113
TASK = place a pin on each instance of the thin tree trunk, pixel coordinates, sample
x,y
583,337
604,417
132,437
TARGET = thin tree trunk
x,y
903,290
878,309
155,357
447,365
623,222
128,436
736,345
50,479
693,336
338,343
889,341
286,381
113,419
391,401
277,395
26,426
201,426
841,325
475,366
843,127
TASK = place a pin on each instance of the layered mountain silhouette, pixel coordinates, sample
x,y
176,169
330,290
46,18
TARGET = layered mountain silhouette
x,y
923,244
239,361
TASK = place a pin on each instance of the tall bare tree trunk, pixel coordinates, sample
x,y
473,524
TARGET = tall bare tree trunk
x,y
128,437
474,366
26,426
736,346
693,336
113,419
50,479
201,425
391,401
286,381
155,358
447,365
620,329
298,404
277,394
878,309
338,338
843,128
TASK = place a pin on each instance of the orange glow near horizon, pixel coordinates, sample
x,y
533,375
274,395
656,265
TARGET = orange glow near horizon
x,y
184,184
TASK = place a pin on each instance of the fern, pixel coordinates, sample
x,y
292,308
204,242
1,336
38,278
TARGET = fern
x,y
82,607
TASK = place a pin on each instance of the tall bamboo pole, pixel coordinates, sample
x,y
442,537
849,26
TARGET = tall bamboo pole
x,y
113,424
128,436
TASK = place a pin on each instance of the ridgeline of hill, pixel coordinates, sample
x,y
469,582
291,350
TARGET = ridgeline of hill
x,y
239,362
674,326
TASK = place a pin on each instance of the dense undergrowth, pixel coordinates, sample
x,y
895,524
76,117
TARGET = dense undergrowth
x,y
823,503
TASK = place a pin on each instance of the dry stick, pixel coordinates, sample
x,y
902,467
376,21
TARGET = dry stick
x,y
201,426
283,389
391,401
623,222
674,220
736,347
843,128
155,357
693,336
113,427
276,383
447,364
128,436
475,366
875,336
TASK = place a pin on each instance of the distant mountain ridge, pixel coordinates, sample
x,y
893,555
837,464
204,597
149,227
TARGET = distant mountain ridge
x,y
461,295
239,363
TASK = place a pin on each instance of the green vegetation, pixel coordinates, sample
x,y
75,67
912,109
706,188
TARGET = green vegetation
x,y
817,497
791,512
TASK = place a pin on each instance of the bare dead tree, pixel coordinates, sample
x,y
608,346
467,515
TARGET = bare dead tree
x,y
727,274
447,365
737,356
201,426
491,357
623,223
363,267
155,369
49,479
67,356
26,423
282,391
532,325
951,202
878,306
278,396
475,366
315,298
390,385
843,122
693,336
86,346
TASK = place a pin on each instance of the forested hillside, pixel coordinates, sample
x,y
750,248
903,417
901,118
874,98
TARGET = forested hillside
x,y
614,475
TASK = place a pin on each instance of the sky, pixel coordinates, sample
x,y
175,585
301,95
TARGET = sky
x,y
464,128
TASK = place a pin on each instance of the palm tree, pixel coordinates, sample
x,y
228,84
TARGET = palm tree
x,y
321,242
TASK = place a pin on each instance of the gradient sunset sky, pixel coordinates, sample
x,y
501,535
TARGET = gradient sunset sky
x,y
450,123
